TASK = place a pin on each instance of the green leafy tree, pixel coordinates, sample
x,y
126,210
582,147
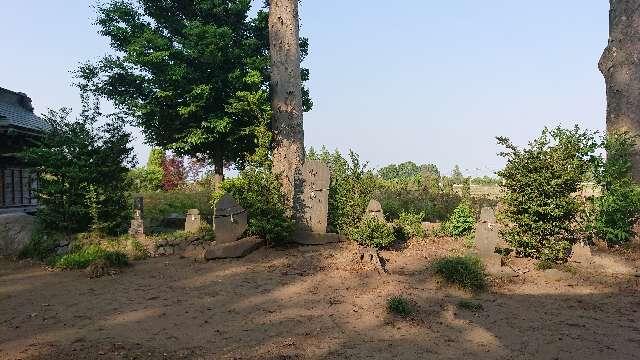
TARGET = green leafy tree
x,y
83,167
617,210
540,212
193,75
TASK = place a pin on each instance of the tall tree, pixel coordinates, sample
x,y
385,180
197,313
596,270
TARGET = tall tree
x,y
620,65
286,98
193,74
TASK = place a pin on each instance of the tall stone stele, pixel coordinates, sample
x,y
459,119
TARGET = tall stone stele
x,y
286,90
620,65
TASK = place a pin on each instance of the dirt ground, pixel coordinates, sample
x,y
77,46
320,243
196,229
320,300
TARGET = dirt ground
x,y
316,303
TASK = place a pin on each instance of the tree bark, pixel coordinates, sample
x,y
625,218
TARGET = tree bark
x,y
286,88
218,172
620,65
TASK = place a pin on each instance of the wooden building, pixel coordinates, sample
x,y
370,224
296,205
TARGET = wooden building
x,y
19,129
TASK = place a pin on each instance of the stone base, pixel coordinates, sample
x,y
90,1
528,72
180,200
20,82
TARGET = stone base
x,y
15,233
236,249
309,238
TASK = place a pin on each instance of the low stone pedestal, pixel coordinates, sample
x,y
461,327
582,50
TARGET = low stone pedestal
x,y
137,228
236,249
193,222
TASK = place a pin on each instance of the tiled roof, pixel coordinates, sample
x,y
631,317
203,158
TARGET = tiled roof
x,y
14,115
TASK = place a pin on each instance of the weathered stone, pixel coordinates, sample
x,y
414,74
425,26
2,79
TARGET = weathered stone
x,y
15,233
430,227
309,238
370,255
487,238
195,252
580,254
316,179
229,220
374,209
138,207
137,228
193,222
236,249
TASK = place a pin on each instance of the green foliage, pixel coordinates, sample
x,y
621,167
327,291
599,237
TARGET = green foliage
x,y
194,75
146,179
409,171
465,271
407,196
462,221
486,181
457,178
470,305
159,205
83,169
42,244
373,232
351,188
617,210
540,214
409,225
259,192
399,305
156,158
84,257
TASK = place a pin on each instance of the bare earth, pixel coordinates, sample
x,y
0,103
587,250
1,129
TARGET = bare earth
x,y
316,303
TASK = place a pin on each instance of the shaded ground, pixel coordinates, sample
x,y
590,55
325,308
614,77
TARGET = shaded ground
x,y
314,303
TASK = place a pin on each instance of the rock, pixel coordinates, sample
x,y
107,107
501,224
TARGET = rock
x,y
236,249
137,228
581,254
316,179
229,220
193,222
309,238
195,252
555,275
15,233
487,239
375,209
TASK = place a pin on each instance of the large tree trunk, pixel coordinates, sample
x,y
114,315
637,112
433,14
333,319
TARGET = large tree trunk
x,y
286,87
218,172
620,65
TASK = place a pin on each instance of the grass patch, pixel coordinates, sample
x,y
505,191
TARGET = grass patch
x,y
82,258
470,305
545,265
399,305
464,271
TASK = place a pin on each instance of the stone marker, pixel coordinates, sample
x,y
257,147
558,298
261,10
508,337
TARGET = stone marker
x,y
229,220
374,209
487,238
316,179
137,224
193,222
235,249
15,233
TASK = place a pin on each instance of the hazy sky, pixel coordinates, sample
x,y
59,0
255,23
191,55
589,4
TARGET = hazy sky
x,y
427,81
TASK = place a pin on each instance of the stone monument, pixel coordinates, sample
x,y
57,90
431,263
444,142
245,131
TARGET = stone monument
x,y
374,209
487,238
229,220
193,222
137,224
316,179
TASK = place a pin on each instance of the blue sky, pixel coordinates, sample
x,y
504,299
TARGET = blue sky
x,y
427,81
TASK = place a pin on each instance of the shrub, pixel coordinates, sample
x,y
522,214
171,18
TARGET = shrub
x,y
540,213
83,169
470,305
84,257
409,225
398,305
159,205
462,221
260,193
465,271
617,210
399,196
373,232
352,187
